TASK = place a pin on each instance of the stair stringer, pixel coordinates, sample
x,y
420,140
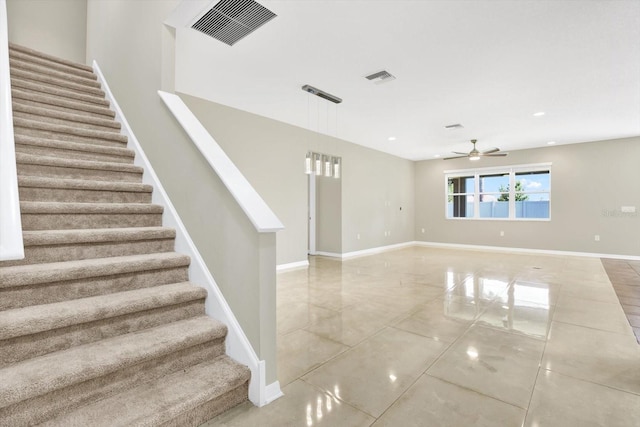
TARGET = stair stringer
x,y
238,346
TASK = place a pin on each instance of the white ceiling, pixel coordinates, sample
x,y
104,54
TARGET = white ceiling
x,y
489,65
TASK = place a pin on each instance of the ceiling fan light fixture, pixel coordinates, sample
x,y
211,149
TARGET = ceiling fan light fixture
x,y
474,157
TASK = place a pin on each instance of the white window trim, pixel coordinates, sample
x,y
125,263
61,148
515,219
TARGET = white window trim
x,y
511,170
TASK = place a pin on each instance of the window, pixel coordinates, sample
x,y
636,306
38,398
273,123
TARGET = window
x,y
516,192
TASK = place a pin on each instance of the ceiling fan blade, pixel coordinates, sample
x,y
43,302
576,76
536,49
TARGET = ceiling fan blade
x,y
457,157
496,155
457,152
493,150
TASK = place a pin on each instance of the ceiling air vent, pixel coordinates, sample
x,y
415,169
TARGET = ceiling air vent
x,y
232,20
380,77
452,127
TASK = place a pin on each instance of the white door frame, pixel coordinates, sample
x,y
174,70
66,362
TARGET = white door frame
x,y
312,214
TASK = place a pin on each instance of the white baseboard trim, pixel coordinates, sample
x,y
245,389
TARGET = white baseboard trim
x,y
292,265
272,392
329,254
365,252
523,250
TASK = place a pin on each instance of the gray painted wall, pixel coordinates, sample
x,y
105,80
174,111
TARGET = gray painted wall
x,y
374,185
134,50
328,215
589,184
55,27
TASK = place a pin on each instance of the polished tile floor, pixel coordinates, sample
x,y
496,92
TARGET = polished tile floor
x,y
624,275
434,337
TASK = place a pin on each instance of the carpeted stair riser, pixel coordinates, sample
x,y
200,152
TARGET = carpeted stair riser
x,y
58,136
64,122
44,253
41,375
65,216
61,118
20,296
41,408
30,55
37,168
62,221
57,92
20,66
72,150
25,347
57,132
210,409
88,269
55,194
181,399
60,104
91,319
34,74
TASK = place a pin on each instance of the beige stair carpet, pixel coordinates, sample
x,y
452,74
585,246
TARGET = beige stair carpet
x,y
99,324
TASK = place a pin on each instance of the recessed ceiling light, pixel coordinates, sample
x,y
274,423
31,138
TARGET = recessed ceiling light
x,y
392,138
538,114
436,155
551,142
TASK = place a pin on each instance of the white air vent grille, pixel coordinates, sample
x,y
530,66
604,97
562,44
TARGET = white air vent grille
x,y
232,20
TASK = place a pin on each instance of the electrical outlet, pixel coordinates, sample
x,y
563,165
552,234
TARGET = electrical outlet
x,y
597,237
423,230
501,233
358,236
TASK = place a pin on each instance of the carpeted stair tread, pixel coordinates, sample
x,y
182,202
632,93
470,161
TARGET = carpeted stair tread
x,y
51,147
82,184
95,235
48,189
32,159
158,402
26,64
14,48
17,82
24,275
55,371
74,146
73,119
70,130
57,102
89,208
36,74
48,246
39,318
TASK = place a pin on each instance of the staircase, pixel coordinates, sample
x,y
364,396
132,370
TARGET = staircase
x,y
99,324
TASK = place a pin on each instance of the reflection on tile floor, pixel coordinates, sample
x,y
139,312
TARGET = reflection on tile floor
x,y
433,337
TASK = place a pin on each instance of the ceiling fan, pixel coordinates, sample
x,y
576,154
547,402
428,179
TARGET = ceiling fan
x,y
475,154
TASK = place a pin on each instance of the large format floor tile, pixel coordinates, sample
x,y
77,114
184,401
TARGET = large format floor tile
x,y
607,316
301,351
372,375
499,364
560,401
302,405
433,402
435,320
593,355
